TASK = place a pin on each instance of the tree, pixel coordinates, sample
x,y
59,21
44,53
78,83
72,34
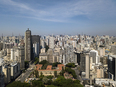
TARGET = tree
x,y
62,72
43,62
50,77
77,81
36,74
26,64
18,84
37,83
46,48
36,60
59,81
55,64
71,65
49,82
45,80
70,71
52,86
55,73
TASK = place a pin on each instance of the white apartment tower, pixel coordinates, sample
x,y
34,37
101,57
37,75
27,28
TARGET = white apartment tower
x,y
51,42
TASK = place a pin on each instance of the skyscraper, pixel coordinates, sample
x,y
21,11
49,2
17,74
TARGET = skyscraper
x,y
51,42
28,45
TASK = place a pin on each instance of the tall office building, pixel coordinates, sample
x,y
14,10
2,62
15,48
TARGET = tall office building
x,y
21,57
36,46
85,65
28,45
94,55
112,67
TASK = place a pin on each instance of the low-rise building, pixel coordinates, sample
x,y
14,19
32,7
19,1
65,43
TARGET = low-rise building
x,y
49,71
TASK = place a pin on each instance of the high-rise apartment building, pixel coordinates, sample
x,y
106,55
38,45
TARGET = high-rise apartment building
x,y
51,42
36,46
94,55
28,45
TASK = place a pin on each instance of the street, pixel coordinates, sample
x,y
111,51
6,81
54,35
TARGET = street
x,y
25,75
77,73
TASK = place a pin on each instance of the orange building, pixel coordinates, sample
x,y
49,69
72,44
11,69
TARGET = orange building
x,y
49,70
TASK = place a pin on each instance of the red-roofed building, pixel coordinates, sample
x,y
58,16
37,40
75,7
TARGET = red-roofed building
x,y
38,66
49,70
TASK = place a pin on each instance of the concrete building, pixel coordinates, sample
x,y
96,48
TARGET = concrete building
x,y
43,56
28,42
15,70
43,50
1,74
17,54
100,73
70,57
85,65
101,51
113,49
7,73
94,55
21,57
51,56
42,43
1,46
36,50
112,67
36,46
51,42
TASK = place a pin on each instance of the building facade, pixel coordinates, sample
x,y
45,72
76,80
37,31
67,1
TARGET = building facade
x,y
28,45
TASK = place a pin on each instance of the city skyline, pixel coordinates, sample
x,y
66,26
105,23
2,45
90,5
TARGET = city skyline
x,y
58,17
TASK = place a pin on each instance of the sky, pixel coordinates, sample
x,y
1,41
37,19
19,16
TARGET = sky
x,y
47,17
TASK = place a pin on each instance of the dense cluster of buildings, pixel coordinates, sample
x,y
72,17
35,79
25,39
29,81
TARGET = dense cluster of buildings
x,y
95,55
14,51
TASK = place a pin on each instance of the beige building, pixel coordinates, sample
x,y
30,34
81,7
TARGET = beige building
x,y
43,50
43,56
11,71
49,71
21,57
100,73
51,56
15,70
7,74
101,51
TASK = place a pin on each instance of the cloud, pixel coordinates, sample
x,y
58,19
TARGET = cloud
x,y
64,11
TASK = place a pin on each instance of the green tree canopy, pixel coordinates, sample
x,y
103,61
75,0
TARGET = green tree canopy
x,y
55,64
70,71
71,65
46,48
45,80
37,83
52,86
43,62
18,84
